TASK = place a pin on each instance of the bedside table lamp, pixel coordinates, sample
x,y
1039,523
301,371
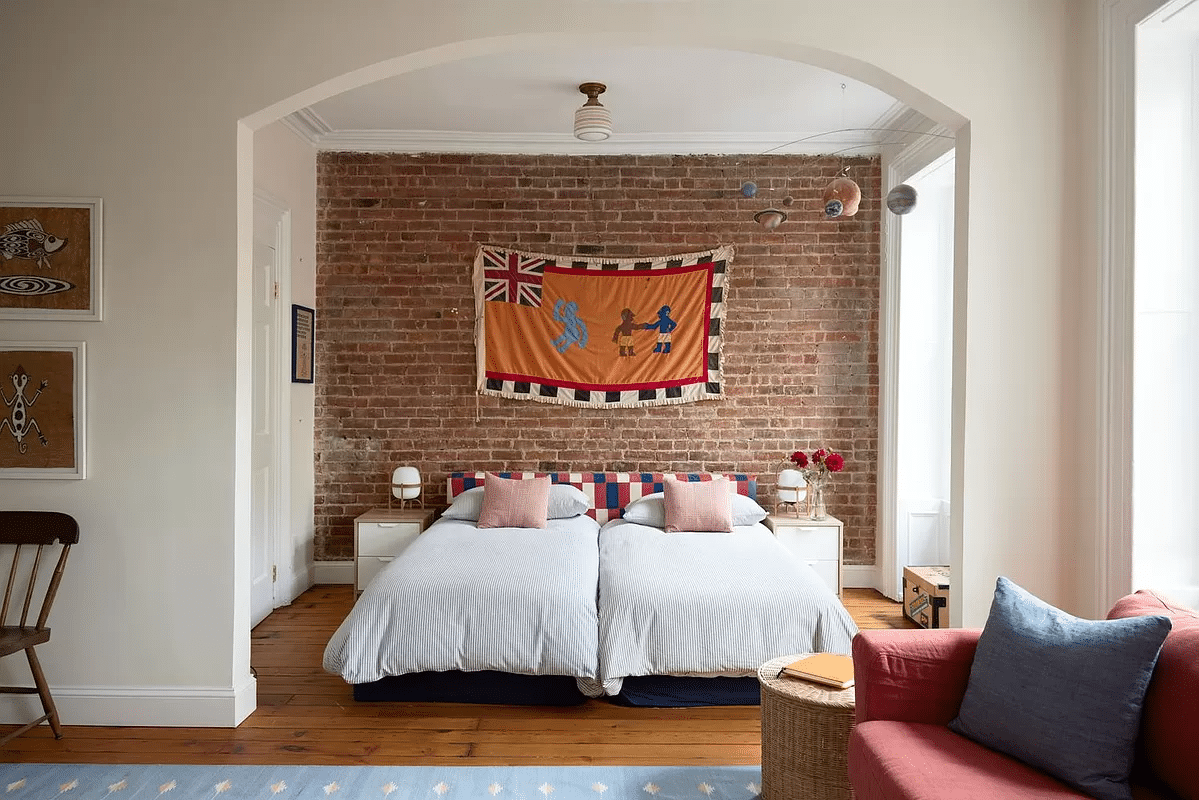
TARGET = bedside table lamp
x,y
406,487
792,490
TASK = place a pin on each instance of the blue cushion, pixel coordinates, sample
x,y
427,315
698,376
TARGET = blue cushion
x,y
1061,693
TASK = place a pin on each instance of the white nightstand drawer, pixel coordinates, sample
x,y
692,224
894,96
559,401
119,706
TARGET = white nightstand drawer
x,y
380,535
816,543
827,569
386,538
811,543
369,567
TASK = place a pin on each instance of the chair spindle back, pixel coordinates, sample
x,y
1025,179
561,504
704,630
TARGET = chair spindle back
x,y
33,531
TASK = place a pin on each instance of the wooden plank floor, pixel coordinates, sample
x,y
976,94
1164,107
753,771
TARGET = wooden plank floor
x,y
306,716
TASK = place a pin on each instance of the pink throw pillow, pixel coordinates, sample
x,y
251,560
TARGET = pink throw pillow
x,y
509,503
698,505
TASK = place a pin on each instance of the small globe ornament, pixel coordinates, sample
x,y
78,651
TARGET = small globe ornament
x,y
749,189
901,199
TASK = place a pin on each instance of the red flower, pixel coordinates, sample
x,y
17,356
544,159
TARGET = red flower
x,y
834,462
799,459
818,456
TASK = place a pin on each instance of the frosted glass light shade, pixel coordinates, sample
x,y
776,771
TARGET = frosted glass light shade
x,y
406,483
790,486
593,123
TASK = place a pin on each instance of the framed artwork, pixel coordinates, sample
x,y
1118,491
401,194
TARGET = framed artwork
x,y
302,325
50,258
42,431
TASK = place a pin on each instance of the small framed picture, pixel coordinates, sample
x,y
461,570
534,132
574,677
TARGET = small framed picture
x,y
303,321
42,433
50,258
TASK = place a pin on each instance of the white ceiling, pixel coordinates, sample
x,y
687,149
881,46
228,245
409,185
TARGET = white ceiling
x,y
661,100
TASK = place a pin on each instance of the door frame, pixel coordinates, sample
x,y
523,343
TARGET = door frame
x,y
278,516
890,540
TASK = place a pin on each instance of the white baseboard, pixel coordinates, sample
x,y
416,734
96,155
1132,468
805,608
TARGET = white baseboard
x,y
859,576
299,582
158,706
333,572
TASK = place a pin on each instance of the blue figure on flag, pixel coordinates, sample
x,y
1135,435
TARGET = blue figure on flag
x,y
665,326
574,330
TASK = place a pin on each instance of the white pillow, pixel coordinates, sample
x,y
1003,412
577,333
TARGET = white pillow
x,y
565,501
651,510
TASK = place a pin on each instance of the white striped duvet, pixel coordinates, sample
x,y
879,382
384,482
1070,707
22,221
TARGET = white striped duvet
x,y
516,600
704,604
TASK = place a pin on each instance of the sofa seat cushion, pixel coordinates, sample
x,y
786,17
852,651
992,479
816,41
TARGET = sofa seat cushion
x,y
1169,742
891,760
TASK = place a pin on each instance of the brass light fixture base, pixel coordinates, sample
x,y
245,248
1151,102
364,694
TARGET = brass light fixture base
x,y
593,90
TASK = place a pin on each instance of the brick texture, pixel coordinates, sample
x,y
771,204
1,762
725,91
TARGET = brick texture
x,y
395,356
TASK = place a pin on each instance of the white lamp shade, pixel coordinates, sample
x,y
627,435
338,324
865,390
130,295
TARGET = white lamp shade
x,y
406,483
791,486
593,123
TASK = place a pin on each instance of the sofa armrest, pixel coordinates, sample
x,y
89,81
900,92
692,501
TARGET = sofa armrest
x,y
912,675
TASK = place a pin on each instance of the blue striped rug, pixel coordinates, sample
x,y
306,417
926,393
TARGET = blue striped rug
x,y
200,782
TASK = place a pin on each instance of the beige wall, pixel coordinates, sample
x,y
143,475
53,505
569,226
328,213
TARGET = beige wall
x,y
138,102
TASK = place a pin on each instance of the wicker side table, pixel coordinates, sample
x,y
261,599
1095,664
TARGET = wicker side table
x,y
805,736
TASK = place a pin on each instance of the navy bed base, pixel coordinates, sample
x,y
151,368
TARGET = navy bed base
x,y
503,688
498,688
666,691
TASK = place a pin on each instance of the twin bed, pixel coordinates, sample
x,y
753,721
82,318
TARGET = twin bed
x,y
601,602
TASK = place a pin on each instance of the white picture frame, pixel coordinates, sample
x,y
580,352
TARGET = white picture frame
x,y
43,431
39,281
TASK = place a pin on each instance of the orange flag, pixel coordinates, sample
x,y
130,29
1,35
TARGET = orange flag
x,y
600,333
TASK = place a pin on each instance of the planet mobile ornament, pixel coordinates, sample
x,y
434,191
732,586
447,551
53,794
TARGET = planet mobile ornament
x,y
901,199
749,189
841,197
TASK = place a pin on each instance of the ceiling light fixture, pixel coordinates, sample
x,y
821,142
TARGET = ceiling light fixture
x,y
593,122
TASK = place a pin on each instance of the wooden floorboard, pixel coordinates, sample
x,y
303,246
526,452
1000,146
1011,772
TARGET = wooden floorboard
x,y
306,716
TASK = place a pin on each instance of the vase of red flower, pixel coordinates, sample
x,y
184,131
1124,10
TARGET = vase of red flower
x,y
817,471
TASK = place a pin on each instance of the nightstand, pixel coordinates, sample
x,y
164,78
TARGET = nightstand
x,y
380,535
816,542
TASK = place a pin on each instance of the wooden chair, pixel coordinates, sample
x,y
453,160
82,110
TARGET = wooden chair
x,y
32,532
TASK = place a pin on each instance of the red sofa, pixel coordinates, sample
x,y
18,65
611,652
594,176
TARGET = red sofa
x,y
909,685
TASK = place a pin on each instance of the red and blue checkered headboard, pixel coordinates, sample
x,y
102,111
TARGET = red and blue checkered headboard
x,y
609,492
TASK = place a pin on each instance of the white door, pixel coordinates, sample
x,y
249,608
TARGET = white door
x,y
267,376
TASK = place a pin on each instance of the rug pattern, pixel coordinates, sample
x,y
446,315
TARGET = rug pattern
x,y
202,782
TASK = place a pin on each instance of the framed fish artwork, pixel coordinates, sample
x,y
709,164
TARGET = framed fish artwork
x,y
42,427
50,258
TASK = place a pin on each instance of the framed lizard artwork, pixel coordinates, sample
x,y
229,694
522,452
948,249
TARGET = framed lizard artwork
x,y
42,431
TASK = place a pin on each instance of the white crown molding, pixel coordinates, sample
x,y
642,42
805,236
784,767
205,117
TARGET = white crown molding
x,y
308,125
313,129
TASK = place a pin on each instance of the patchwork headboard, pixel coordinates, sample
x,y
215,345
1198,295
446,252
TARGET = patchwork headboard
x,y
609,492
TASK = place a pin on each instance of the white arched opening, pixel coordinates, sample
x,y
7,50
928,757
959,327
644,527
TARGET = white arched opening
x,y
854,68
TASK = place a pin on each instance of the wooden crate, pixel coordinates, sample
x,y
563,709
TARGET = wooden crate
x,y
926,596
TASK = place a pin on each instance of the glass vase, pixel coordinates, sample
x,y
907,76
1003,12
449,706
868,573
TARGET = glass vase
x,y
816,508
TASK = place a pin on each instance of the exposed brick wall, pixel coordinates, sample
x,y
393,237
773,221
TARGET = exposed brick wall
x,y
395,357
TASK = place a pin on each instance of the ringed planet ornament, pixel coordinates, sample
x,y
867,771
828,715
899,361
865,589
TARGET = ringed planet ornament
x,y
901,199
